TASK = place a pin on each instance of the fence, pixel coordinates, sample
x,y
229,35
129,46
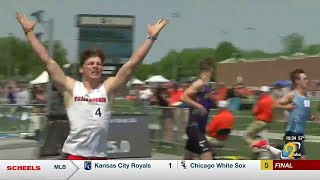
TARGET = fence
x,y
166,127
22,120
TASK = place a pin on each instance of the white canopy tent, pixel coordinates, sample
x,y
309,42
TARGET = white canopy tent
x,y
137,82
41,79
157,79
134,82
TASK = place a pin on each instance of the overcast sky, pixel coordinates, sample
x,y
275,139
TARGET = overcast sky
x,y
202,23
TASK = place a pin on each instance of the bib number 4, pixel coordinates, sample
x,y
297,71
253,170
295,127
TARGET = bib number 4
x,y
98,112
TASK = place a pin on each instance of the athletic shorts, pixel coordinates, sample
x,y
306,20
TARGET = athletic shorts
x,y
72,157
197,142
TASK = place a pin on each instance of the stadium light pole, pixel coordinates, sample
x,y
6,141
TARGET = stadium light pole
x,y
10,35
282,42
249,29
48,26
175,15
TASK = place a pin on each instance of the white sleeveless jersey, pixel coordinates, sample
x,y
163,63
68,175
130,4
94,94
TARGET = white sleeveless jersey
x,y
89,115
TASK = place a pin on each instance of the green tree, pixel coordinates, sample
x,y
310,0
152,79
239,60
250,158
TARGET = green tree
x,y
293,43
176,65
60,54
312,49
144,71
18,59
226,50
258,54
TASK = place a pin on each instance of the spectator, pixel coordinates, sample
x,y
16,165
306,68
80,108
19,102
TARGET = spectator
x,y
11,96
22,100
163,100
40,96
222,92
235,95
262,111
23,96
175,94
180,115
144,95
222,122
40,99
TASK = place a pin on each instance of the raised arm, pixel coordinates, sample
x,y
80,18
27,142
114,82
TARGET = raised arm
x,y
62,82
137,57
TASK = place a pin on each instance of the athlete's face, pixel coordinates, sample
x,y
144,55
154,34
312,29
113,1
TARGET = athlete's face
x,y
210,72
303,81
92,68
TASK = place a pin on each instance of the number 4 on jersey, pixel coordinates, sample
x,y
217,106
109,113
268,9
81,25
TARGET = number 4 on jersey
x,y
98,112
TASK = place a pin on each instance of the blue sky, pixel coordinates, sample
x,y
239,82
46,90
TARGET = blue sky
x,y
202,23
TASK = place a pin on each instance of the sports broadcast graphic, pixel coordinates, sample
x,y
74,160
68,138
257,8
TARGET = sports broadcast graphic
x,y
291,150
161,89
87,165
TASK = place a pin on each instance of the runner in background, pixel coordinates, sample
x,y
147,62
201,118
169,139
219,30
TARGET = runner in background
x,y
298,104
198,96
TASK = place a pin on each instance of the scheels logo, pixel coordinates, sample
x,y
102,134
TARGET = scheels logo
x,y
23,168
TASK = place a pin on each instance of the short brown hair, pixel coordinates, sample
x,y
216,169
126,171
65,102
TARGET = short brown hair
x,y
206,64
295,75
89,53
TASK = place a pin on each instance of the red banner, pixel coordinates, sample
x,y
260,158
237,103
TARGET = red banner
x,y
296,165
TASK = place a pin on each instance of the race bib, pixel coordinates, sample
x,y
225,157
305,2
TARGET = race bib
x,y
97,113
306,103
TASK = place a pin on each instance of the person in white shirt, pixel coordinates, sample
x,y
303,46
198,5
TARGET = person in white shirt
x,y
88,109
23,96
144,96
145,93
21,111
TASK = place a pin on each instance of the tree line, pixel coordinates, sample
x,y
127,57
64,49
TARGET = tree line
x,y
179,65
18,60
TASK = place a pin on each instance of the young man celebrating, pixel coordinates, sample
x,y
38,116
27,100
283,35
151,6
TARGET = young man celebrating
x,y
198,96
298,104
88,109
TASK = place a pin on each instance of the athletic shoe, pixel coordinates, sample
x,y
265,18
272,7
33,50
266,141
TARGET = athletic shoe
x,y
259,144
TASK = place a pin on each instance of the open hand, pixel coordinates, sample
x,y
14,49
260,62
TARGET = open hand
x,y
25,23
155,29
